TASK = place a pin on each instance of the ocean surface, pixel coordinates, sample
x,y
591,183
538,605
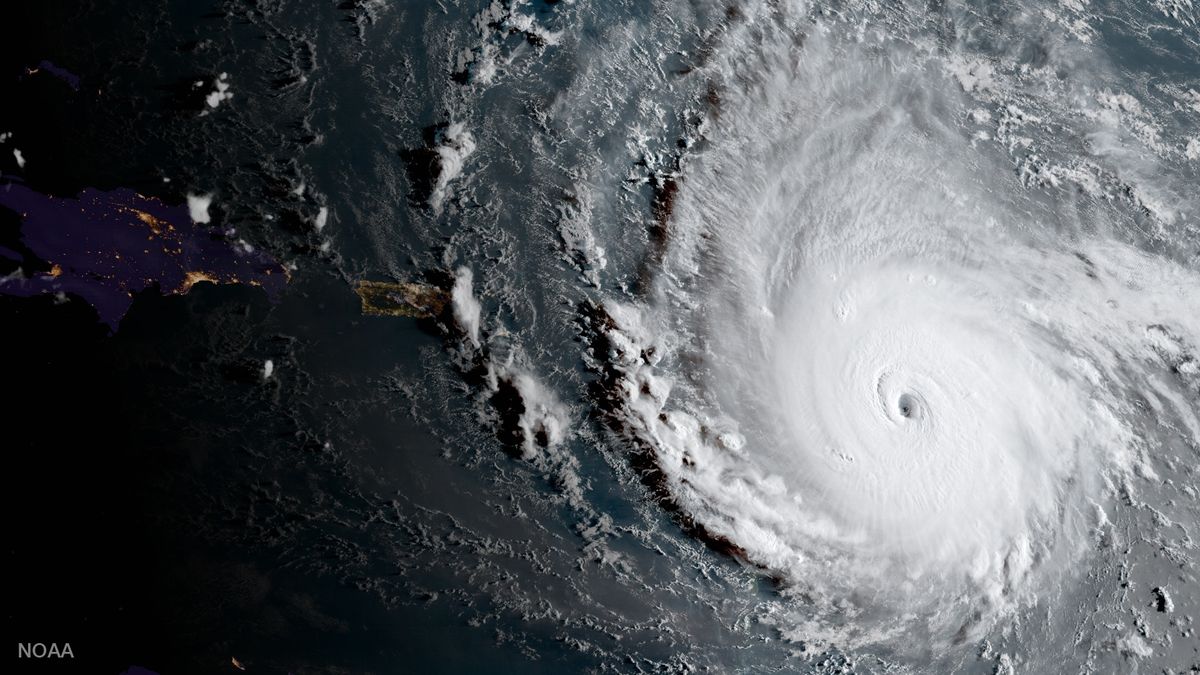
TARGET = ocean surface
x,y
755,336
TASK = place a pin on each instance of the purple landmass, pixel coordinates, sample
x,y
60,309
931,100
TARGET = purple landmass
x,y
138,670
106,246
61,73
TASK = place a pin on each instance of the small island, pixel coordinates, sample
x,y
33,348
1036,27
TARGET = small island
x,y
406,299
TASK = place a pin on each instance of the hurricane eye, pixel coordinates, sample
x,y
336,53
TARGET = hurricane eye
x,y
907,405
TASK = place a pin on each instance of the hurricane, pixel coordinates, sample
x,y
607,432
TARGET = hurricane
x,y
907,303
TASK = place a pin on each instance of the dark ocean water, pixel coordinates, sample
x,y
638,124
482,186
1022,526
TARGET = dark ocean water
x,y
626,189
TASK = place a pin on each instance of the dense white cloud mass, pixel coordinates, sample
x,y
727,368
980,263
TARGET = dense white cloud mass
x,y
198,207
886,371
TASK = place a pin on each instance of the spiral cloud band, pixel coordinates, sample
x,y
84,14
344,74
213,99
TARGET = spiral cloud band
x,y
878,363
